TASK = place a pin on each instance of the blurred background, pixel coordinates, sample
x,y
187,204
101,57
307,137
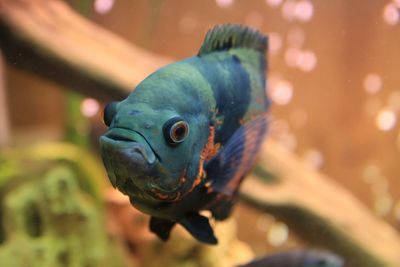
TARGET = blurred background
x,y
333,79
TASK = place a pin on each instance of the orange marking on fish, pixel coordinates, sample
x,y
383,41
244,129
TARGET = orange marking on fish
x,y
165,196
209,151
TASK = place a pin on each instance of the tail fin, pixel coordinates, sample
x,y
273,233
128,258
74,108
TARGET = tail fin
x,y
228,36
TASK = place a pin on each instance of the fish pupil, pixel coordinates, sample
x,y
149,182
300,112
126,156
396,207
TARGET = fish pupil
x,y
176,130
179,132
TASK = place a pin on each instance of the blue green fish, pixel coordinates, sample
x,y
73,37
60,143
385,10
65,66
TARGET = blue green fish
x,y
185,138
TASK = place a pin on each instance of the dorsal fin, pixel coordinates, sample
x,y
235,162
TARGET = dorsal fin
x,y
227,36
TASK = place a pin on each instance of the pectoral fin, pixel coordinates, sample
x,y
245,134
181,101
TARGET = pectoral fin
x,y
227,169
199,227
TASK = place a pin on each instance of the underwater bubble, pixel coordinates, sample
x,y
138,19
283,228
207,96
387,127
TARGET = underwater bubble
x,y
296,36
282,92
255,20
277,234
298,118
307,61
394,101
103,6
224,3
304,10
273,3
386,120
313,158
288,10
383,204
274,42
391,14
89,107
372,83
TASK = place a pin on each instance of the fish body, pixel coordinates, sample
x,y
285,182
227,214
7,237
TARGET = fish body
x,y
185,138
299,258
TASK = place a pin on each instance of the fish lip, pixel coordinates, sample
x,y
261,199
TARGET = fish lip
x,y
121,138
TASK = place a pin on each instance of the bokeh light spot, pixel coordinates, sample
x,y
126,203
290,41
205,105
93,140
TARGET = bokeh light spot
x,y
282,92
89,107
103,6
273,3
386,120
313,158
288,10
307,61
278,234
224,3
391,14
304,10
372,83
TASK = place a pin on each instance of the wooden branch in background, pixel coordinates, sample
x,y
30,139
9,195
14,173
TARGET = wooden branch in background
x,y
320,210
48,38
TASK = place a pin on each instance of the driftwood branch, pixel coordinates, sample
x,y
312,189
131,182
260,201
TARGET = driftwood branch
x,y
322,211
48,38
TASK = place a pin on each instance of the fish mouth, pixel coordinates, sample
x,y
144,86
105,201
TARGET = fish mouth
x,y
127,137
124,153
133,167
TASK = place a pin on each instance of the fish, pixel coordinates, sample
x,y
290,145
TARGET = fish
x,y
298,258
182,142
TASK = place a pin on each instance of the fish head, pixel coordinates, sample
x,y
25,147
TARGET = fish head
x,y
148,152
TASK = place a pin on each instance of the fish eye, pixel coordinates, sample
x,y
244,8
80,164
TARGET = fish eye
x,y
109,112
175,130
